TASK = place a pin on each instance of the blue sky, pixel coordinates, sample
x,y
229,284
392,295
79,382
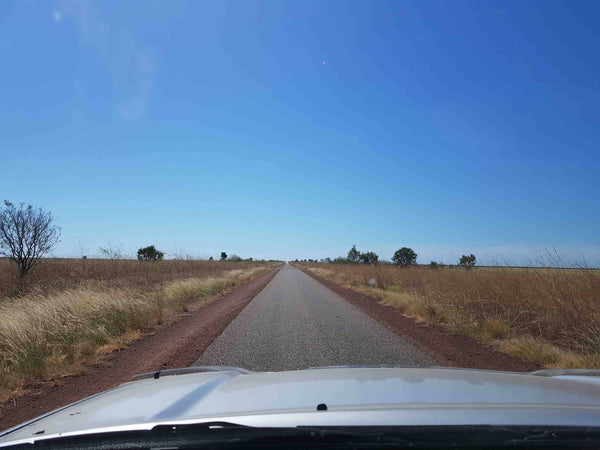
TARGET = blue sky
x,y
296,129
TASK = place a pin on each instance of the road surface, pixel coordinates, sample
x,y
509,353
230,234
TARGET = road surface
x,y
296,322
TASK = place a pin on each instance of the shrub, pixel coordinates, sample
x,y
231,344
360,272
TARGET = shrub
x,y
405,257
149,254
496,329
369,258
467,261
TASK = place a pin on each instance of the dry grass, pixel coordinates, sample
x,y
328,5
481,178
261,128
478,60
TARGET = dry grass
x,y
58,274
51,331
550,316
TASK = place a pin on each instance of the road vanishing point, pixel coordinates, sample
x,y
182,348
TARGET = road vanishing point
x,y
295,323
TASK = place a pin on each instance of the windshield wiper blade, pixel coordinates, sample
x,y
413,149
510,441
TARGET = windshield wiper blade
x,y
238,434
222,435
376,436
558,436
231,435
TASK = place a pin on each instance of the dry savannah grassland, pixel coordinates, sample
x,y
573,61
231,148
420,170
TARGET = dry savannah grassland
x,y
548,316
72,311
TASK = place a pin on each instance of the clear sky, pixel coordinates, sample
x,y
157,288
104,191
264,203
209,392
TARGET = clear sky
x,y
296,129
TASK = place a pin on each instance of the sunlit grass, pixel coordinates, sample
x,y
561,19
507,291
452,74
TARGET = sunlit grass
x,y
547,315
43,336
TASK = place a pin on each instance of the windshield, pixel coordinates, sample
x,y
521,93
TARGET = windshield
x,y
273,187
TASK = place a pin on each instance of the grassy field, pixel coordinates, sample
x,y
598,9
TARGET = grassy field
x,y
71,312
550,316
60,274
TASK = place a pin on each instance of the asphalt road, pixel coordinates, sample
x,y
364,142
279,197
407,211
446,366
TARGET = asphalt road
x,y
296,322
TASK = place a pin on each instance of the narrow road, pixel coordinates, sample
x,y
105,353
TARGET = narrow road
x,y
296,322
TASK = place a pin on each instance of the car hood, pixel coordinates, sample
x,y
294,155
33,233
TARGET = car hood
x,y
352,396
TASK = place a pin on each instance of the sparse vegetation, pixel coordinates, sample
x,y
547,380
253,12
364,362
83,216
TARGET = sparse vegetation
x,y
110,252
353,257
547,315
76,309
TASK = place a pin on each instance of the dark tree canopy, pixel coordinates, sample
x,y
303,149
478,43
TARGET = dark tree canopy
x,y
467,261
369,258
353,255
149,254
26,234
223,256
405,257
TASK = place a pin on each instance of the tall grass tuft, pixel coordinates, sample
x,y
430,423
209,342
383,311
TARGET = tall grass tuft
x,y
44,334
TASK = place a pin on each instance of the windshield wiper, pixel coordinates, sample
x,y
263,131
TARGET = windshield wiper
x,y
224,433
221,435
563,436
232,435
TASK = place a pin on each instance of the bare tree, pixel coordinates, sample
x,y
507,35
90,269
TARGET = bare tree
x,y
26,234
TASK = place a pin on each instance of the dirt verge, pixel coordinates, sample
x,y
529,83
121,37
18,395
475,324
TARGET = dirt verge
x,y
452,350
175,344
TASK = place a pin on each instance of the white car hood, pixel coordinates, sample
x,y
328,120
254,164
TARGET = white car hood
x,y
353,396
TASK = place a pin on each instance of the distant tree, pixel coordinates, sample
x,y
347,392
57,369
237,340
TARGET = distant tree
x,y
433,265
340,260
235,258
405,257
223,256
353,255
467,261
369,258
149,254
211,258
26,234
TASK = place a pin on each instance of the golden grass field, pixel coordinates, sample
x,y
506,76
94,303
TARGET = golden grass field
x,y
70,311
549,316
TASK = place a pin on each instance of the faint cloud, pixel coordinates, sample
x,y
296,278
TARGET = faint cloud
x,y
131,65
57,16
142,88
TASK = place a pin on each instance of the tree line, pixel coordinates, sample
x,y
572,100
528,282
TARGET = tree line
x,y
404,256
28,233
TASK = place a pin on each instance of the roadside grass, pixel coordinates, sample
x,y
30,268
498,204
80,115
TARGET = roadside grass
x,y
545,315
43,336
59,274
